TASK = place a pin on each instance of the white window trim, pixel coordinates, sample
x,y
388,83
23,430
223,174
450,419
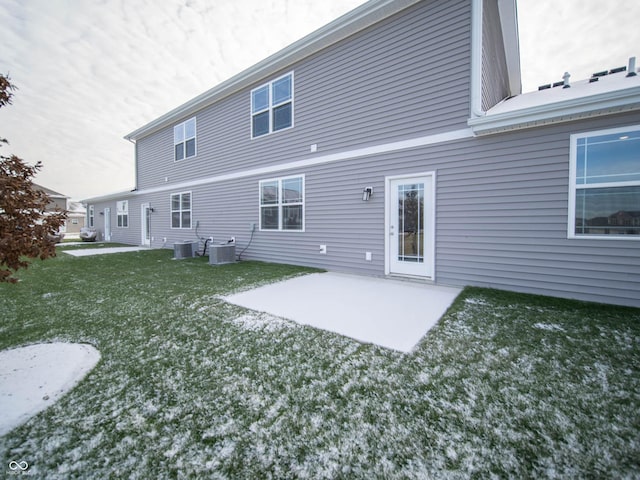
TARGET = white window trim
x,y
122,213
280,204
91,216
573,151
270,108
190,210
184,142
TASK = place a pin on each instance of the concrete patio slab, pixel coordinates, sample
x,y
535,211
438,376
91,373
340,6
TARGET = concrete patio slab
x,y
391,313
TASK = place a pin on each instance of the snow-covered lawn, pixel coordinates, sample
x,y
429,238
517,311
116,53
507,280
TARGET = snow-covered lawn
x,y
188,385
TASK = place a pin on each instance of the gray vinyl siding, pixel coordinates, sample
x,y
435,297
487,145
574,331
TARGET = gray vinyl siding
x,y
403,77
130,235
495,86
501,216
502,221
501,200
227,209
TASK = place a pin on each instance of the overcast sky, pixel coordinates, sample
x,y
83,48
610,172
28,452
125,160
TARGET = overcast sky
x,y
91,71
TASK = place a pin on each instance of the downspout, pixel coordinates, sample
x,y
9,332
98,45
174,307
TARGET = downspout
x,y
135,154
476,59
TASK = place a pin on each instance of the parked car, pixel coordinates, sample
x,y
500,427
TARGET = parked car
x,y
88,234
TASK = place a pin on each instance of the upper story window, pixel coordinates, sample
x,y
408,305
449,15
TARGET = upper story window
x,y
181,210
184,139
272,106
122,209
282,204
604,184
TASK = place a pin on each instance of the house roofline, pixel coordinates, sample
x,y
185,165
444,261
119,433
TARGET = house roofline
x,y
51,193
352,22
109,197
608,103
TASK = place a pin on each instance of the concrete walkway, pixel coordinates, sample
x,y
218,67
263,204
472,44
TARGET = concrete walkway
x,y
391,313
102,251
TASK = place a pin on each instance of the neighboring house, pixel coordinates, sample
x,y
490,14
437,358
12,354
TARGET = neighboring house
x,y
75,211
75,218
57,201
395,141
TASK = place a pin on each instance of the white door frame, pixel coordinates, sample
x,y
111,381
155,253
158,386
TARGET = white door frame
x,y
145,230
107,224
430,224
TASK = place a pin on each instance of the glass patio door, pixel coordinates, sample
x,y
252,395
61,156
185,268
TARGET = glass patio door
x,y
410,226
107,224
146,224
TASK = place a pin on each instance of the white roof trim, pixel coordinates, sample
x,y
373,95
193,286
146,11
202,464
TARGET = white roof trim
x,y
109,197
343,27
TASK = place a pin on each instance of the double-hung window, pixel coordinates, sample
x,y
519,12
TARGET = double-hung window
x,y
122,209
184,139
91,216
272,106
181,210
604,184
282,204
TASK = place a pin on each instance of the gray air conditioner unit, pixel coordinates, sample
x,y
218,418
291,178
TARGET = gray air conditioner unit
x,y
186,249
221,254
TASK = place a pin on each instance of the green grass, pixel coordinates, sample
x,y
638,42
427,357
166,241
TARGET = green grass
x,y
506,385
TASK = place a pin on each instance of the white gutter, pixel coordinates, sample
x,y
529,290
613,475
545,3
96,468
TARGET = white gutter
x,y
108,197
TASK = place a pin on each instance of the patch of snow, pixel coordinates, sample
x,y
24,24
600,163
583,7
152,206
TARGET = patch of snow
x,y
552,327
475,301
35,377
261,321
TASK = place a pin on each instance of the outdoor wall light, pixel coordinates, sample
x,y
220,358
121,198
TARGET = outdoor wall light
x,y
152,209
367,193
101,213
